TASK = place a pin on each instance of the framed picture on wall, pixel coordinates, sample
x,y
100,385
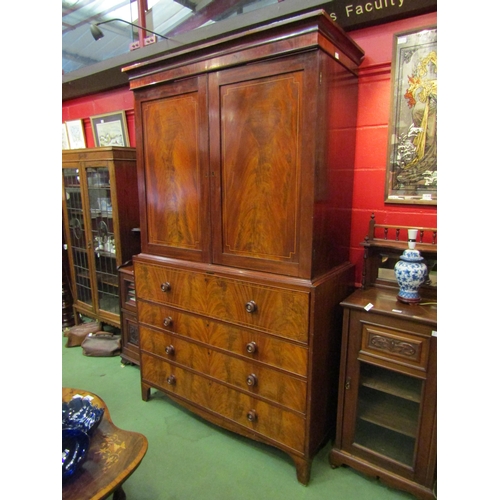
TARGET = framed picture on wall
x,y
76,135
411,176
65,140
110,129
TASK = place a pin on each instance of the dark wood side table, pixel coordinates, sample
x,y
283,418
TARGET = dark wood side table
x,y
387,407
113,456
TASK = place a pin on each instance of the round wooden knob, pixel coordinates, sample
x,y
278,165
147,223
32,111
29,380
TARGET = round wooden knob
x,y
168,321
171,380
170,350
252,416
165,287
252,380
251,347
251,306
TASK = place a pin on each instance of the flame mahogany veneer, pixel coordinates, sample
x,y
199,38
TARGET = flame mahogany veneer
x,y
245,149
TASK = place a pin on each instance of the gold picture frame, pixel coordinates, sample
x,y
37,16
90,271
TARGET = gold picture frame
x,y
110,129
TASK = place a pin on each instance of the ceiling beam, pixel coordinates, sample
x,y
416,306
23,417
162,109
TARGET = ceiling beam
x,y
210,12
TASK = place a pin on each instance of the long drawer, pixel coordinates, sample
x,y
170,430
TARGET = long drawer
x,y
248,343
268,383
271,309
284,427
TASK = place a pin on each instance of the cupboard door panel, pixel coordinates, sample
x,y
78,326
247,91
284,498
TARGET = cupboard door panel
x,y
261,161
174,162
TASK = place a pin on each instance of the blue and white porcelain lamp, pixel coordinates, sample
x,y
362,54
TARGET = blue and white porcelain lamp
x,y
410,271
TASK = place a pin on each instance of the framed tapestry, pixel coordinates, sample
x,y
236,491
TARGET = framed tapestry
x,y
411,176
110,129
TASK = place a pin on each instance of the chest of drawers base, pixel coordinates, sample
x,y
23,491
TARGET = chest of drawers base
x,y
250,353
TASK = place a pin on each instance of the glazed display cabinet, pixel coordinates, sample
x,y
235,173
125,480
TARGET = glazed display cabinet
x,y
100,213
245,150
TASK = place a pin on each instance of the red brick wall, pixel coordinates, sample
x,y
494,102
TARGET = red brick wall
x,y
371,140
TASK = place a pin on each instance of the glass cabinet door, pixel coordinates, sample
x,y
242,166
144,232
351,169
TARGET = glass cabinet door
x,y
103,238
388,412
77,234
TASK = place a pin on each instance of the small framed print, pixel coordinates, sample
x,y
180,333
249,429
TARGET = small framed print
x,y
65,140
76,135
110,129
412,149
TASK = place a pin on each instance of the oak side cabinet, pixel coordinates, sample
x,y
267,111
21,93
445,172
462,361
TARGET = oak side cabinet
x,y
245,158
386,425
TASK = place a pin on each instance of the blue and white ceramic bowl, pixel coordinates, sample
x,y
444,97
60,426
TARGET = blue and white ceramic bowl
x,y
81,414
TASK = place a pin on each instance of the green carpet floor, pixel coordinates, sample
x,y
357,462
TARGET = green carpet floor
x,y
190,459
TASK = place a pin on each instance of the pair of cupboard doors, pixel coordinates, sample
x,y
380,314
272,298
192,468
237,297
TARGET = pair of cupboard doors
x,y
250,166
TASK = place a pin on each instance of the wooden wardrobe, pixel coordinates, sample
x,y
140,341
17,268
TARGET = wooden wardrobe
x,y
245,149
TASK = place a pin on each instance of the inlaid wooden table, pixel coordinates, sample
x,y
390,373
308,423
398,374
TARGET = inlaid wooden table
x,y
113,456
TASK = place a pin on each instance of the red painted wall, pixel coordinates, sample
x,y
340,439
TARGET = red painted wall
x,y
100,104
371,139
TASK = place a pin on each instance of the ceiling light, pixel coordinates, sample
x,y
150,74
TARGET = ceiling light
x,y
97,33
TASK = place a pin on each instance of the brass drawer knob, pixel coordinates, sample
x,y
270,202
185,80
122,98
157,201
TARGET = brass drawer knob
x,y
252,416
170,350
168,321
171,380
251,347
252,380
165,287
251,306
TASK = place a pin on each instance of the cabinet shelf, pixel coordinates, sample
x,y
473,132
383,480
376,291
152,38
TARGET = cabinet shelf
x,y
385,410
393,383
386,442
107,215
108,279
104,253
83,274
